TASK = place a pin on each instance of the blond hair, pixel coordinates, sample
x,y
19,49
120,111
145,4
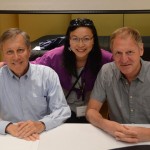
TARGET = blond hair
x,y
125,32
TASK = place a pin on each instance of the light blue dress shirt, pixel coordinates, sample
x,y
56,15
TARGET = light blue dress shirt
x,y
37,96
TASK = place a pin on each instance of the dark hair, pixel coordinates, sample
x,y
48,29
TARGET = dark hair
x,y
94,57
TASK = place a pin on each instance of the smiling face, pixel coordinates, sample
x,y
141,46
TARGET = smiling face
x,y
127,53
16,54
81,42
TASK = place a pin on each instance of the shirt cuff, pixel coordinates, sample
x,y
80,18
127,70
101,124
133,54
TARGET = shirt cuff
x,y
3,125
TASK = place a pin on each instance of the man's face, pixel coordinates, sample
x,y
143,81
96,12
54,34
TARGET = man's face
x,y
126,54
16,54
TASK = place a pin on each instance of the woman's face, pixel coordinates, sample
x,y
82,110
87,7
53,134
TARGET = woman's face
x,y
81,42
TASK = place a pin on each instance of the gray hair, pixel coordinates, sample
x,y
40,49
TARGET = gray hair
x,y
13,32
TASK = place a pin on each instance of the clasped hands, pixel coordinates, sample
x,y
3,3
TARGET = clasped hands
x,y
28,130
130,134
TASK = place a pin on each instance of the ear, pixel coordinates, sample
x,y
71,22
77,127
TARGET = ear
x,y
30,50
141,47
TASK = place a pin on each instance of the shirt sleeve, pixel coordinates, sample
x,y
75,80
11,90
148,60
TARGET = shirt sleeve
x,y
59,109
99,89
3,125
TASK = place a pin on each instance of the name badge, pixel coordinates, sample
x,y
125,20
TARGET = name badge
x,y
80,111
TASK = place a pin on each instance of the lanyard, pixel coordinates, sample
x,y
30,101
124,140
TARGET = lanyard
x,y
75,84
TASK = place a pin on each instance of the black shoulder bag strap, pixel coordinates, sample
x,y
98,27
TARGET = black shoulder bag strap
x,y
74,83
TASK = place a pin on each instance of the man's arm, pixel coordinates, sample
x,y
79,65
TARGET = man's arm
x,y
93,115
58,107
118,131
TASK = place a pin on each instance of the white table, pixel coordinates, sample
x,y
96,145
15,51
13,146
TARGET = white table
x,y
8,142
79,137
67,137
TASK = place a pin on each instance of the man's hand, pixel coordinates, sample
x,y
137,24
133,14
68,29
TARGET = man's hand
x,y
121,132
32,137
12,129
28,130
133,134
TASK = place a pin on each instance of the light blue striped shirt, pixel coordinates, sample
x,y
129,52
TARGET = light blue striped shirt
x,y
37,95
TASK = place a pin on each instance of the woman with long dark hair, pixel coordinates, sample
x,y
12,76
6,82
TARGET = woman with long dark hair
x,y
77,63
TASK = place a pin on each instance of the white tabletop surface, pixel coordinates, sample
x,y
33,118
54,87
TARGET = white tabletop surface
x,y
78,137
8,142
66,137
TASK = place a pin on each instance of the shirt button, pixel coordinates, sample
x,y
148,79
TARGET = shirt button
x,y
131,110
131,97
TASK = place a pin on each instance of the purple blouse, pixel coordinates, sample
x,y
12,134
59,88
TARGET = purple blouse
x,y
53,59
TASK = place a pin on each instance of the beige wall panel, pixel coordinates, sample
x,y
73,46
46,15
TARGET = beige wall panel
x,y
138,21
43,24
105,23
0,56
8,21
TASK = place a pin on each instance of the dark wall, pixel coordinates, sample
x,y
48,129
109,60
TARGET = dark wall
x,y
51,41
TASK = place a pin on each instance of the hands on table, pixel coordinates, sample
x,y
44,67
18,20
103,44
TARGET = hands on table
x,y
130,134
28,130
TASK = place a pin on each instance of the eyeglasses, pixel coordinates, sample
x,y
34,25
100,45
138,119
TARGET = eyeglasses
x,y
81,22
85,40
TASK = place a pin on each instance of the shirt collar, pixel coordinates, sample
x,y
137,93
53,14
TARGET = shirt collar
x,y
26,75
140,76
142,72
